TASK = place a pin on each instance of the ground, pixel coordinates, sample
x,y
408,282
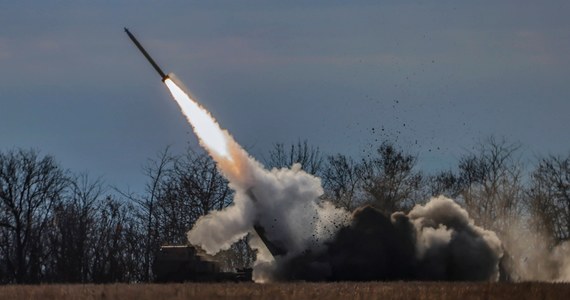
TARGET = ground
x,y
342,290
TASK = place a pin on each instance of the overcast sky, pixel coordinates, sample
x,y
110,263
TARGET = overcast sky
x,y
435,77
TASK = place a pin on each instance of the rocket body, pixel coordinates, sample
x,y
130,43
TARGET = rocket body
x,y
150,60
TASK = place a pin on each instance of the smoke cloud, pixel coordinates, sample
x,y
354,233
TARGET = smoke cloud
x,y
314,240
284,202
437,241
530,256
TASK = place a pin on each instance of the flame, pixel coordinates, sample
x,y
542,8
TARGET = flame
x,y
212,137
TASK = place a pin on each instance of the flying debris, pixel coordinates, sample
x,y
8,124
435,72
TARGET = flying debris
x,y
150,60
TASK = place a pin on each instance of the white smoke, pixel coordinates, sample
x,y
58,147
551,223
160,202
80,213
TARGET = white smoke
x,y
285,202
531,256
561,254
445,234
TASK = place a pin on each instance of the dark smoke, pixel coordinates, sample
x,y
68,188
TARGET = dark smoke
x,y
437,241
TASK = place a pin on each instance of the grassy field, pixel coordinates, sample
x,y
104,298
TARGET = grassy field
x,y
344,290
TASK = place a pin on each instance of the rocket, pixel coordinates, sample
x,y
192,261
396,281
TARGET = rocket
x,y
150,60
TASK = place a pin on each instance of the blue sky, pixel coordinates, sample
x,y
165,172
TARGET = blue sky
x,y
436,77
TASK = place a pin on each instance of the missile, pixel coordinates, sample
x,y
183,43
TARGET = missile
x,y
150,60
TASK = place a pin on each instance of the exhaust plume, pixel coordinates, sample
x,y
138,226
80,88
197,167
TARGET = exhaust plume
x,y
212,137
318,241
284,202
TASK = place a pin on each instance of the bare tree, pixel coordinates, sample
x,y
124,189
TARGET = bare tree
x,y
194,189
342,181
549,197
445,183
117,245
158,172
73,232
30,186
308,157
491,183
390,180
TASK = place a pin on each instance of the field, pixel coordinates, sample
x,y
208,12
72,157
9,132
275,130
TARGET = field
x,y
360,290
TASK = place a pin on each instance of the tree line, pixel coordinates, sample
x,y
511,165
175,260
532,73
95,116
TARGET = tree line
x,y
57,226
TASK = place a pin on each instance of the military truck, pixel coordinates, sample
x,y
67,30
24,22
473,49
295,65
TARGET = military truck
x,y
184,263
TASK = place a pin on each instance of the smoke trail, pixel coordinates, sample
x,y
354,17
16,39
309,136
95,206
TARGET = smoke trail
x,y
284,202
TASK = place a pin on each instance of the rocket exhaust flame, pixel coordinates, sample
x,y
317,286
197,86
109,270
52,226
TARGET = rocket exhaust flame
x,y
212,137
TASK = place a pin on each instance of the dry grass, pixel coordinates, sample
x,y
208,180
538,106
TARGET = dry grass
x,y
344,290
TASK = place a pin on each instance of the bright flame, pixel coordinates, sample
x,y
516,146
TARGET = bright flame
x,y
205,126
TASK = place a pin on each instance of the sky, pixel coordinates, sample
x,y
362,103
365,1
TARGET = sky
x,y
434,78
